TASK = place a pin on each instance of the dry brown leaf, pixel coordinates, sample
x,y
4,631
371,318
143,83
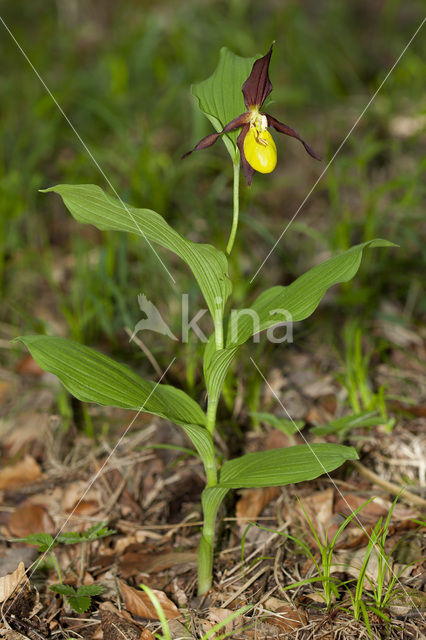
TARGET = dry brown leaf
x,y
178,630
319,507
23,472
73,494
9,582
132,563
27,366
217,615
9,634
31,518
116,627
138,603
252,503
23,429
349,502
286,616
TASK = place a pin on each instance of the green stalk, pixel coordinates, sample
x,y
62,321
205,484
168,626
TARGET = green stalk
x,y
205,552
206,548
236,205
55,562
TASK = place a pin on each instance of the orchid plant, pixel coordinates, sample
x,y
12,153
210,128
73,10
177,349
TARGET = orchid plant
x,y
237,84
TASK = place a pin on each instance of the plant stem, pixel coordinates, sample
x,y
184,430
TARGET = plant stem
x,y
211,415
236,205
218,330
205,553
55,562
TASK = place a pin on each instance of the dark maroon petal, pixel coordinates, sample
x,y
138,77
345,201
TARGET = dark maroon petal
x,y
257,87
247,168
212,137
283,128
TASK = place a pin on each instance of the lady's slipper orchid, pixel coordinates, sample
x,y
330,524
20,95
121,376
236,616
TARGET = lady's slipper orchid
x,y
255,143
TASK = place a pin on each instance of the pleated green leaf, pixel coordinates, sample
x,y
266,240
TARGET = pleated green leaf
x,y
300,299
93,377
220,97
90,204
203,442
215,366
278,467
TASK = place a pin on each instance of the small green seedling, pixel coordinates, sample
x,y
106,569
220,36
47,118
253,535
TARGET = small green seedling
x,y
78,598
356,378
382,589
231,99
343,426
325,565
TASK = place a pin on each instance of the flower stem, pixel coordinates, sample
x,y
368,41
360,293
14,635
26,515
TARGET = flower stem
x,y
205,553
236,205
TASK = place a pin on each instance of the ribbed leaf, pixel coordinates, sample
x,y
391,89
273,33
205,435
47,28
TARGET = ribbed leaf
x,y
287,426
93,377
203,442
220,96
278,467
300,299
88,203
216,365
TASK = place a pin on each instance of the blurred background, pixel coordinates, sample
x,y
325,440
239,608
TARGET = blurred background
x,y
122,74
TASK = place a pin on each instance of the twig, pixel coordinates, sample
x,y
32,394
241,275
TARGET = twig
x,y
146,351
394,489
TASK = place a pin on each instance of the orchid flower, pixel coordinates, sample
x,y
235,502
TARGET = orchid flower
x,y
255,143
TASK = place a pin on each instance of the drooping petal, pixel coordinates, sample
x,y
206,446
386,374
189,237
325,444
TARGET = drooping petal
x,y
257,87
288,131
247,169
212,137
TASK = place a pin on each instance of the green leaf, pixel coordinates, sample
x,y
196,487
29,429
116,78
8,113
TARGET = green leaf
x,y
289,427
78,599
278,467
90,204
90,590
93,377
95,532
300,299
347,423
220,97
80,604
43,541
63,589
203,442
216,365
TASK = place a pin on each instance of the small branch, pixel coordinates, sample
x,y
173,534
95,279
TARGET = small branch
x,y
394,489
146,351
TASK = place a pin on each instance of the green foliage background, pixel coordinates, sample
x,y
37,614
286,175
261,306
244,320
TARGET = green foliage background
x,y
122,74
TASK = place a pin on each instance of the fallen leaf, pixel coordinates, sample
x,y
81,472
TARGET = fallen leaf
x,y
31,518
73,494
132,563
27,366
116,627
13,555
139,604
23,472
319,507
10,581
349,502
252,503
217,615
178,630
24,429
286,616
